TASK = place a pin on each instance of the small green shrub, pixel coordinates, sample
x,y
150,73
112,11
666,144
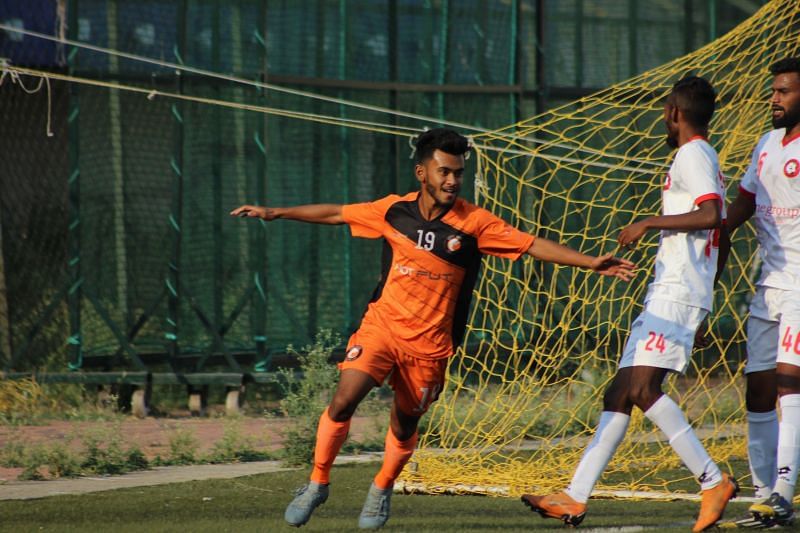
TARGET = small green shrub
x,y
306,397
234,446
31,473
136,459
12,454
182,448
57,460
61,462
32,462
21,401
105,454
28,402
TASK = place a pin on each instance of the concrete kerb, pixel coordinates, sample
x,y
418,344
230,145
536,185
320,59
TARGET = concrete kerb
x,y
27,490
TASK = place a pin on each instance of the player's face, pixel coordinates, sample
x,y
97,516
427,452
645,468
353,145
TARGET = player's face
x,y
441,177
785,101
671,124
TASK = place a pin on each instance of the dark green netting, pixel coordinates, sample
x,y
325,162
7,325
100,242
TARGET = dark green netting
x,y
117,225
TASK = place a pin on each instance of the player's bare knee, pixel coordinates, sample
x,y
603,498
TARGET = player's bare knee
x,y
616,399
403,426
762,391
758,400
404,429
403,434
788,380
785,390
341,409
644,395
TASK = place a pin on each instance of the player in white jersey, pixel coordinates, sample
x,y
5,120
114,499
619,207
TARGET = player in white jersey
x,y
770,193
677,301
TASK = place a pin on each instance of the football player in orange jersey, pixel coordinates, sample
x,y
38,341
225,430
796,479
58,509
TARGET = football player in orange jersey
x,y
433,245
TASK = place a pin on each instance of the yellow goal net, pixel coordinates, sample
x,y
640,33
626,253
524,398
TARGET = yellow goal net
x,y
543,341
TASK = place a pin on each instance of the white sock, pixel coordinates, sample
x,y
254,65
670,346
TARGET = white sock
x,y
762,450
610,430
788,445
670,419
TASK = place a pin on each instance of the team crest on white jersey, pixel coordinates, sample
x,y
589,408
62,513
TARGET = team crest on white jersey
x,y
791,169
353,353
453,243
667,182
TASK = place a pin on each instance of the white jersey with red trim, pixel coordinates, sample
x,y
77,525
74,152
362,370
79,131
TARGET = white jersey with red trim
x,y
686,262
773,178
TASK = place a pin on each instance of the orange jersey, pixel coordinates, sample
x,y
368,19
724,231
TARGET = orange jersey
x,y
429,267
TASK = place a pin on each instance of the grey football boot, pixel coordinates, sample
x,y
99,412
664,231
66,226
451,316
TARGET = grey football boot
x,y
376,508
305,501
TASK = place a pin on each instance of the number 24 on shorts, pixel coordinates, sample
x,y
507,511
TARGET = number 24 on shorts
x,y
658,339
786,342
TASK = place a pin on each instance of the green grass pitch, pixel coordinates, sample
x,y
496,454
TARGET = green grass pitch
x,y
257,503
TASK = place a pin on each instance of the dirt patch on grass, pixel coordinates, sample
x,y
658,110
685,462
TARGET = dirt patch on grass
x,y
152,435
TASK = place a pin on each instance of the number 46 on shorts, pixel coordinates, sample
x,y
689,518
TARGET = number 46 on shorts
x,y
786,341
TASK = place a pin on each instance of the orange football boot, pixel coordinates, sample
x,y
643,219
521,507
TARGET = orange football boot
x,y
714,501
559,506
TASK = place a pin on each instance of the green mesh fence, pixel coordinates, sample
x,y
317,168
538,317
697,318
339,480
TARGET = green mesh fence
x,y
116,249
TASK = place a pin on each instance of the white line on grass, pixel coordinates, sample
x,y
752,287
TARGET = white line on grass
x,y
628,529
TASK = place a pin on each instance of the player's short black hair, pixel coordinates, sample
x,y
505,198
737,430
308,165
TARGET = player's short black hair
x,y
443,139
696,98
787,64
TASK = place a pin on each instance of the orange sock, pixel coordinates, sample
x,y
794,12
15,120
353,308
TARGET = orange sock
x,y
395,457
330,437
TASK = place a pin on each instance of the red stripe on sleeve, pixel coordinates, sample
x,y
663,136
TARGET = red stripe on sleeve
x,y
706,197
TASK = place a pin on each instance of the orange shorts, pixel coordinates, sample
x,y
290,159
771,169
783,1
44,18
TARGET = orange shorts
x,y
416,382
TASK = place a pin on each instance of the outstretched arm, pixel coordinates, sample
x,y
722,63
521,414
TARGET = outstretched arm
x,y
314,213
607,265
708,216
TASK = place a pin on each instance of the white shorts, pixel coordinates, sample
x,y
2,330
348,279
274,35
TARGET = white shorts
x,y
772,329
663,336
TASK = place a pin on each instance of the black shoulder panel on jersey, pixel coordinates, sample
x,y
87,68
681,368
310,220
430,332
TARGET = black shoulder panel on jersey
x,y
449,244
